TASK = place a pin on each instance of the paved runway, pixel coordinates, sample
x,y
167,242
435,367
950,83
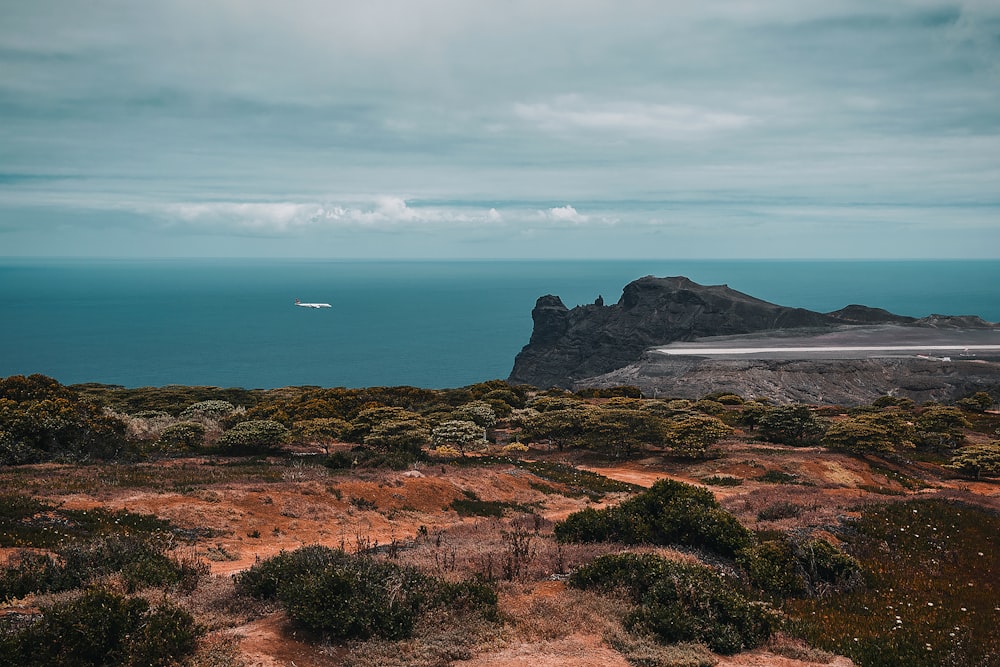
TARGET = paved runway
x,y
710,351
860,342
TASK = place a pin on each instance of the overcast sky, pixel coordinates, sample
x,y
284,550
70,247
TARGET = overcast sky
x,y
500,128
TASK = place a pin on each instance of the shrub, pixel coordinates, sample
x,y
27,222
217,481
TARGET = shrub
x,y
750,414
680,601
60,428
691,436
789,425
256,435
479,412
669,512
981,401
785,567
875,433
460,434
322,431
977,460
708,407
617,431
103,628
941,427
399,435
182,436
368,419
29,572
506,396
724,397
141,561
211,409
354,597
778,477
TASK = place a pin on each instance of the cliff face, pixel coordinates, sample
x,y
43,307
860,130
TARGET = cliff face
x,y
569,345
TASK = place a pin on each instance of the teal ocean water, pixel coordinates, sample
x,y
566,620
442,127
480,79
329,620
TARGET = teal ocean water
x,y
421,323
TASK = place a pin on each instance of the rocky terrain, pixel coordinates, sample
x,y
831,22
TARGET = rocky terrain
x,y
598,345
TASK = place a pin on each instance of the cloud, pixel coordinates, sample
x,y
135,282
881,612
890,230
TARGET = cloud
x,y
255,119
564,214
385,211
279,216
634,118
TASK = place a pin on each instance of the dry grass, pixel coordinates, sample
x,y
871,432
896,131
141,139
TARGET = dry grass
x,y
796,649
646,651
815,508
218,651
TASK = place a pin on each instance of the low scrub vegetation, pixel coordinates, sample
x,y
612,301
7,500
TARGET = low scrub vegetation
x,y
680,602
907,583
100,628
30,522
343,596
932,594
669,513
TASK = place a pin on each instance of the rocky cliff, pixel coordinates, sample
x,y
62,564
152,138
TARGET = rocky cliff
x,y
599,345
568,345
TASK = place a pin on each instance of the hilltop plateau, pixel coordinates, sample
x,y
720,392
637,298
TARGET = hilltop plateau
x,y
629,342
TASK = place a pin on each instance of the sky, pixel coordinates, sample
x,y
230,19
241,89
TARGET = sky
x,y
500,129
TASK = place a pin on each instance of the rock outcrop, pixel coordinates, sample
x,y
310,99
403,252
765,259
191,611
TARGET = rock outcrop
x,y
568,345
598,345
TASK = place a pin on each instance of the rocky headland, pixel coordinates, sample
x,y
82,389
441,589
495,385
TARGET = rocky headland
x,y
607,345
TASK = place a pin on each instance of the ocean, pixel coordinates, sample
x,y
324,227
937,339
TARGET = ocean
x,y
434,324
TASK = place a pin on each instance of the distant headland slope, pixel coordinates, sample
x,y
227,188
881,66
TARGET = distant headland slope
x,y
592,344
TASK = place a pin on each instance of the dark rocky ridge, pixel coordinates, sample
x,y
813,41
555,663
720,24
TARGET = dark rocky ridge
x,y
602,345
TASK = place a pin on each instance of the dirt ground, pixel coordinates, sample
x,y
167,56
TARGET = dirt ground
x,y
408,513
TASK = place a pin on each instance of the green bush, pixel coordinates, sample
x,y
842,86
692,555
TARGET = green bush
x,y
140,560
101,628
680,602
479,412
785,567
789,425
182,436
42,421
977,460
692,436
669,512
399,435
874,432
29,572
941,427
354,597
29,522
211,409
256,435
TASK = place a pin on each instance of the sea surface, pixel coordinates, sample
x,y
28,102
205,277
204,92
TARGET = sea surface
x,y
435,324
